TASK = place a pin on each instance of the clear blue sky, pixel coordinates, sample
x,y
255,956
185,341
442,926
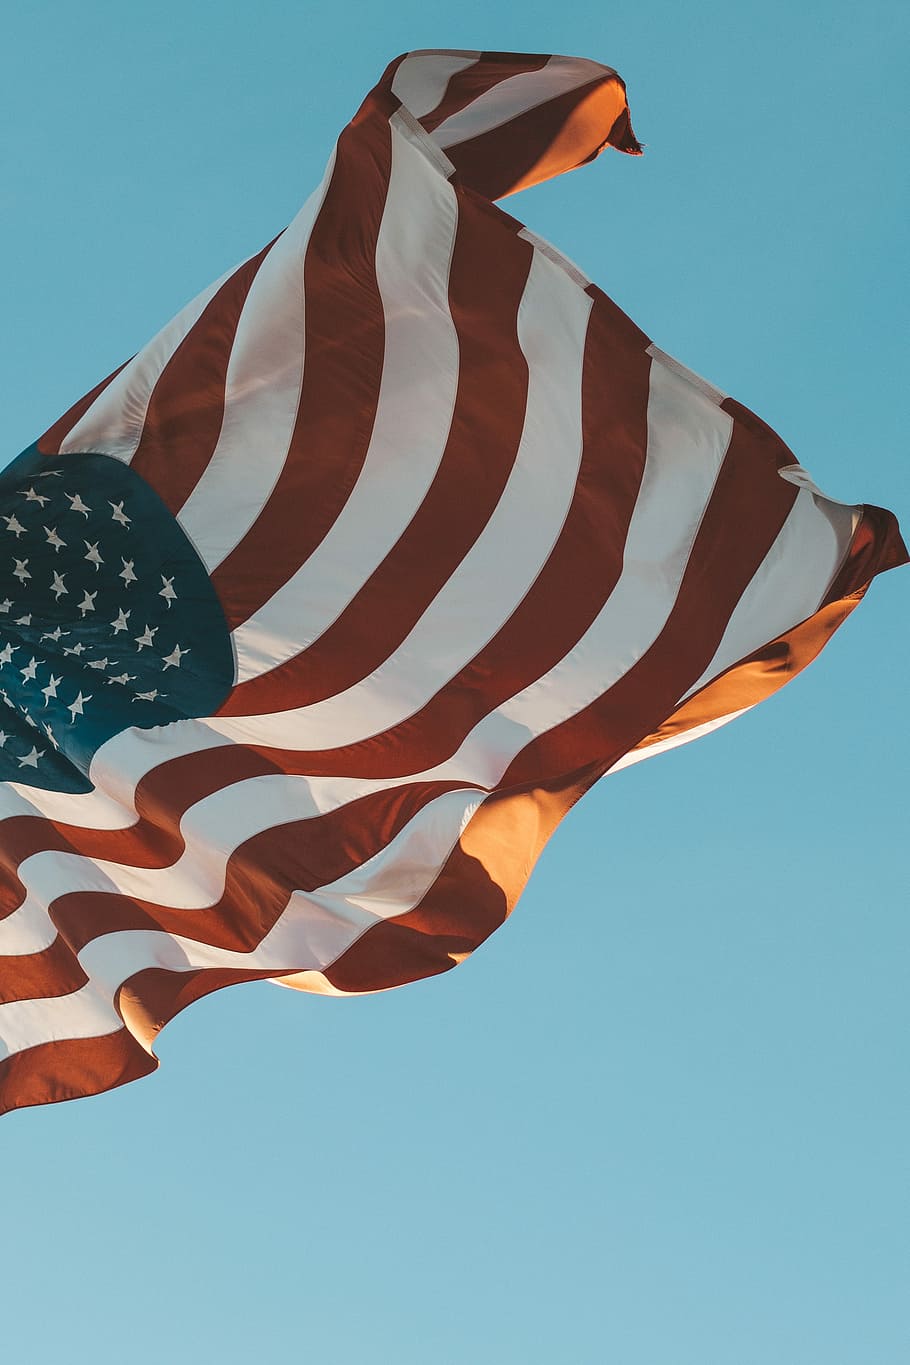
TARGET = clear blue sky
x,y
662,1117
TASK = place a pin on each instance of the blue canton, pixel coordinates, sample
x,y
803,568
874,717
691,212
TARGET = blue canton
x,y
107,616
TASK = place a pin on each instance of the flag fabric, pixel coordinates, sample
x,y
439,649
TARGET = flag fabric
x,y
322,611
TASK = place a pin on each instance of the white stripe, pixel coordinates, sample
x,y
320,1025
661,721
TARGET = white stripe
x,y
114,422
489,584
313,930
29,929
710,390
423,78
791,581
517,95
557,257
262,393
116,770
663,746
87,1013
416,401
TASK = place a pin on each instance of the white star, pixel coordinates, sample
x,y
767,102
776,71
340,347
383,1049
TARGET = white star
x,y
123,679
31,760
25,620
118,513
54,539
147,636
167,592
30,669
172,660
6,654
54,634
77,505
76,649
148,696
98,663
50,734
5,605
3,738
14,525
31,496
88,601
75,708
93,556
120,623
58,587
51,689
51,474
20,571
28,719
127,572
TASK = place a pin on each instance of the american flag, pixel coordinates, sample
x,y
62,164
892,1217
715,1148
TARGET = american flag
x,y
323,610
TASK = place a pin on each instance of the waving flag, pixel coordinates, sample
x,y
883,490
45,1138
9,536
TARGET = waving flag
x,y
323,610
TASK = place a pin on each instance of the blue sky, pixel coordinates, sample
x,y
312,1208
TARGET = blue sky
x,y
661,1118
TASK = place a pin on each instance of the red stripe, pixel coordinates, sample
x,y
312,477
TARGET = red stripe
x,y
467,86
53,438
747,420
876,547
70,1070
186,409
345,330
76,1067
38,976
383,86
543,142
485,290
